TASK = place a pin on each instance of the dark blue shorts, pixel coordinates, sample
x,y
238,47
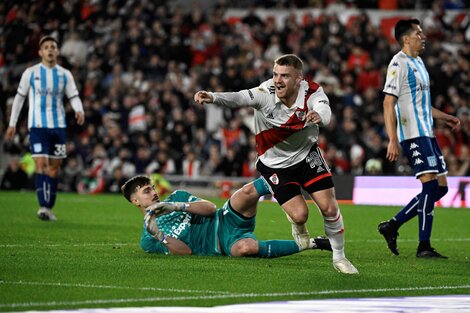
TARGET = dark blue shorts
x,y
424,156
47,142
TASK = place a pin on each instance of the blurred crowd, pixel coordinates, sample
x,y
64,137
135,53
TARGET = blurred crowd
x,y
138,63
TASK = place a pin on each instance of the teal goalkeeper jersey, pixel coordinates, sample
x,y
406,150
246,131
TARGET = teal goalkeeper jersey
x,y
198,232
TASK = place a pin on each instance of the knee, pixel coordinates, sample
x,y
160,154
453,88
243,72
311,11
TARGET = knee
x,y
244,247
299,216
331,210
249,190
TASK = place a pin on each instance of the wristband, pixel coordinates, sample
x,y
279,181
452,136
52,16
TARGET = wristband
x,y
183,208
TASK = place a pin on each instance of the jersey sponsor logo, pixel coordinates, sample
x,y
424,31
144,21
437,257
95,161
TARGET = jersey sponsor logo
x,y
422,87
274,179
395,64
46,92
418,161
270,115
392,87
392,73
181,227
432,161
413,146
416,153
272,89
251,95
262,89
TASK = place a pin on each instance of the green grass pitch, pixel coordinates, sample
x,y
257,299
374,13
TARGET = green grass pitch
x,y
90,258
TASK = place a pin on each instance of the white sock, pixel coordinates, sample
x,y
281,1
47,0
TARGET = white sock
x,y
334,230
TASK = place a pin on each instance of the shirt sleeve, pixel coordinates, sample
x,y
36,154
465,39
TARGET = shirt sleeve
x,y
321,105
254,98
393,79
71,92
21,93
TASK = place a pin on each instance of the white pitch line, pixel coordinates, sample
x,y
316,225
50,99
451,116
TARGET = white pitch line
x,y
67,245
53,245
226,296
33,283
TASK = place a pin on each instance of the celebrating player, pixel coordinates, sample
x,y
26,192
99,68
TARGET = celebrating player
x,y
408,103
45,85
288,114
185,224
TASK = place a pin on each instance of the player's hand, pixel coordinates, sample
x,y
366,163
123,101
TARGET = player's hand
x,y
313,117
392,151
162,208
453,122
80,117
202,97
10,133
152,227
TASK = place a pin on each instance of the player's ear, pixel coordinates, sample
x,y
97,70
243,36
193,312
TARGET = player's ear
x,y
135,202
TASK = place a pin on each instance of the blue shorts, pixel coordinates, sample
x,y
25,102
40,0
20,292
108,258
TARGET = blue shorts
x,y
47,142
232,228
424,156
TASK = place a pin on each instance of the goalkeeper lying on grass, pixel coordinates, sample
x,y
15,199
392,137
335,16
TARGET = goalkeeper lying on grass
x,y
185,224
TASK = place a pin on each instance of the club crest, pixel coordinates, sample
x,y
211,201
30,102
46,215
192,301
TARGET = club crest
x,y
300,115
274,179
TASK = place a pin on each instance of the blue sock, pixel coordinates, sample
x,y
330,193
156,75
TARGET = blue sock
x,y
276,248
40,182
411,209
261,186
442,192
426,209
408,212
52,182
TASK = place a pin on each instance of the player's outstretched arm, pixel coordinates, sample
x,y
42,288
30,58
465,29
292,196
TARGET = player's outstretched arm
x,y
450,120
201,207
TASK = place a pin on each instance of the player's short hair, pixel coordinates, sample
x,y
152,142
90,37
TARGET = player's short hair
x,y
134,183
47,38
290,60
404,27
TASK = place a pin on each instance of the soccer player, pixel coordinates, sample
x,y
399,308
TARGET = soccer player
x,y
288,114
408,116
45,85
184,224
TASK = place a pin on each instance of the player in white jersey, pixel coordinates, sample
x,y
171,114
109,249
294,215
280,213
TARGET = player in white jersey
x,y
408,116
45,85
288,114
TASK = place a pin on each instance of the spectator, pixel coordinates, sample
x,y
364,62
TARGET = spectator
x,y
14,178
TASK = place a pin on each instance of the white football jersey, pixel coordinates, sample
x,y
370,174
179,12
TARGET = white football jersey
x,y
45,88
408,80
283,136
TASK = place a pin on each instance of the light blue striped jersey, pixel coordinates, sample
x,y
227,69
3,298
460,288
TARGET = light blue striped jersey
x,y
45,88
408,80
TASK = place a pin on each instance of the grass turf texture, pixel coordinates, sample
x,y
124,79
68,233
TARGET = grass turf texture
x,y
90,258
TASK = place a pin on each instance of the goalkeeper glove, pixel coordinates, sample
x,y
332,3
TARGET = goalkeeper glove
x,y
162,208
152,227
